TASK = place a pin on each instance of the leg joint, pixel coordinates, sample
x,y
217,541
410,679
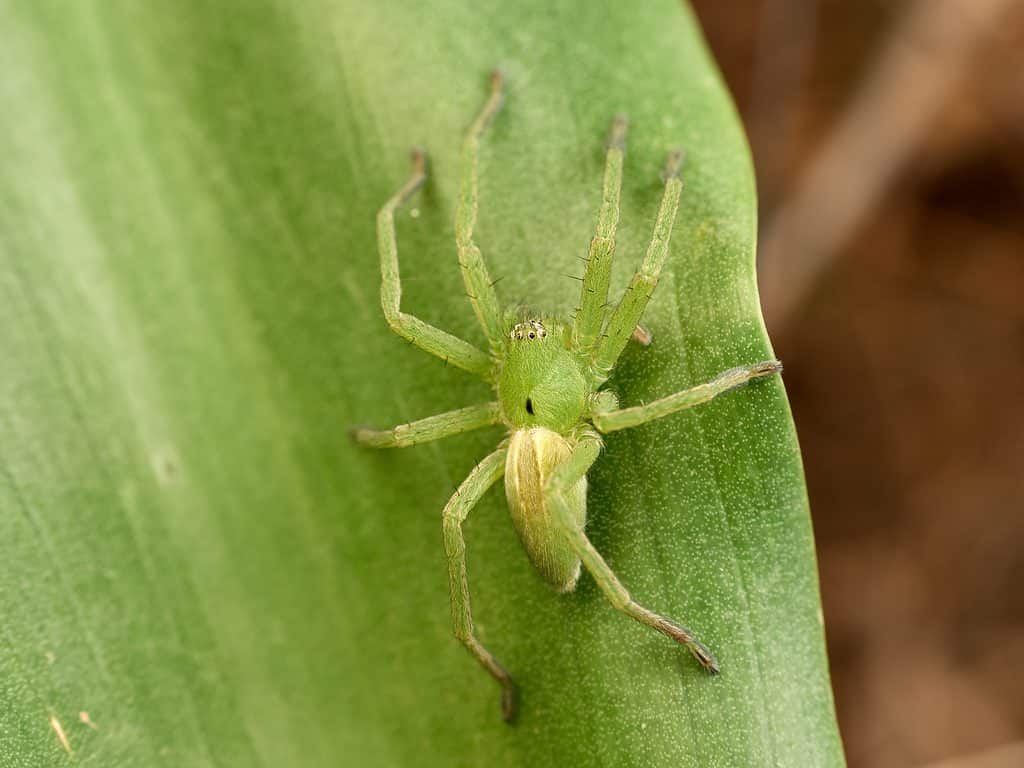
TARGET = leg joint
x,y
393,315
451,522
621,600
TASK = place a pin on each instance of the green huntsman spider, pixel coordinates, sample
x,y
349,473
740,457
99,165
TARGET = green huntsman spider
x,y
548,377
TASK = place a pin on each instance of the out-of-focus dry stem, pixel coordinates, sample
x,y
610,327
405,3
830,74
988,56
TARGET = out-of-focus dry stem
x,y
927,54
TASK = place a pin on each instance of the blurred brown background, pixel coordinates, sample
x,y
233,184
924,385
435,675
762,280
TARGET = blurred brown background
x,y
888,138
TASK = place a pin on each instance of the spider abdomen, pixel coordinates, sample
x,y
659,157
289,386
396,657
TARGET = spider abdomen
x,y
533,454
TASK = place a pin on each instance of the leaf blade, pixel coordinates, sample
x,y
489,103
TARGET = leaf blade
x,y
220,576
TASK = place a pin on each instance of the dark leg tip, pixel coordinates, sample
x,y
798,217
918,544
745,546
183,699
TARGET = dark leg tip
x,y
617,137
704,657
497,80
509,703
673,164
768,367
418,157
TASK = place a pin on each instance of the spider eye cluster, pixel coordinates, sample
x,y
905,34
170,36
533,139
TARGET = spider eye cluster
x,y
530,330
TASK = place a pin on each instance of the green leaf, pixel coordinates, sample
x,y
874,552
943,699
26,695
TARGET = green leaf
x,y
194,554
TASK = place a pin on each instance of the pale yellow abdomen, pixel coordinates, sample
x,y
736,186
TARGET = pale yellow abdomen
x,y
532,456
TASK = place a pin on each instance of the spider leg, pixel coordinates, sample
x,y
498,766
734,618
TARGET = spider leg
x,y
594,294
626,315
479,285
560,481
702,393
642,336
430,428
428,338
473,487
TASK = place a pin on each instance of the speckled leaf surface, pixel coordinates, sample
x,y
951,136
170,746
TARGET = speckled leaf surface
x,y
197,568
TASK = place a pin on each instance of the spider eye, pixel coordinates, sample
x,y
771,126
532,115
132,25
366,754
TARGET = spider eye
x,y
531,330
529,406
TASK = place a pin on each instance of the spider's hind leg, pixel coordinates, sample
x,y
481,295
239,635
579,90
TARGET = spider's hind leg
x,y
473,487
560,482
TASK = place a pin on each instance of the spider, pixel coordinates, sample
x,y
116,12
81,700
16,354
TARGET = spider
x,y
547,375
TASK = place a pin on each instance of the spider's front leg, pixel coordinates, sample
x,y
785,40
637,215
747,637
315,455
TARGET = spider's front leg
x,y
428,338
586,325
625,317
479,285
561,480
483,476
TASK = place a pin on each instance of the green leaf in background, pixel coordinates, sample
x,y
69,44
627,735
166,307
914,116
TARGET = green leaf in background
x,y
191,550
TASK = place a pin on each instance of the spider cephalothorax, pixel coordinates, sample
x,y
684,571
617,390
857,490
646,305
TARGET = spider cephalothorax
x,y
540,383
547,377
